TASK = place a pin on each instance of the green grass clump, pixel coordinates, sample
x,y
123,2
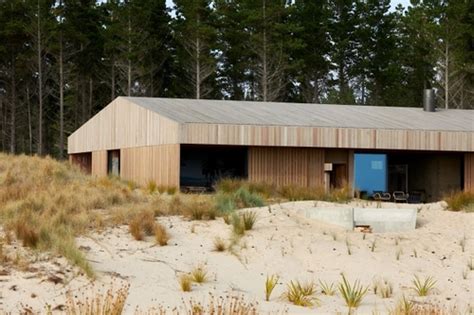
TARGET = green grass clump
x,y
301,294
199,274
352,293
238,226
424,287
461,200
245,199
327,289
248,219
270,283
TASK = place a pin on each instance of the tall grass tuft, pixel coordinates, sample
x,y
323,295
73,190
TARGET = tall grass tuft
x,y
425,286
199,274
461,200
161,235
248,219
327,289
185,283
238,226
352,293
219,244
270,283
110,303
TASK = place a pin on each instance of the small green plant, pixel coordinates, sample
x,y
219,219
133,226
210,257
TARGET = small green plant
x,y
327,289
398,253
383,288
238,226
185,283
199,274
248,219
352,294
425,286
462,243
301,294
348,246
219,244
374,244
270,283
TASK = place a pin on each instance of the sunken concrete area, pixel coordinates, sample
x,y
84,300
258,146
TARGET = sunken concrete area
x,y
379,220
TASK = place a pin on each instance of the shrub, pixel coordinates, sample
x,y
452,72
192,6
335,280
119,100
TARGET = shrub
x,y
198,208
352,294
245,199
175,206
424,287
199,274
135,228
270,283
224,202
141,224
219,244
461,200
161,235
301,294
151,186
248,219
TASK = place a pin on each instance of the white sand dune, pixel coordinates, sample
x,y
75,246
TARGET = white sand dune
x,y
282,242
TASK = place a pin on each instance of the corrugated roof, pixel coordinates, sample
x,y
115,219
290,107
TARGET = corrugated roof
x,y
309,115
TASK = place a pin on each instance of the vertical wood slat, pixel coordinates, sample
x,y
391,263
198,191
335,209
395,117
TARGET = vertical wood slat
x,y
159,163
286,166
469,172
99,163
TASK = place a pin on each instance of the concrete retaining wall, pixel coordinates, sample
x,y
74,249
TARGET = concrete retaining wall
x,y
380,220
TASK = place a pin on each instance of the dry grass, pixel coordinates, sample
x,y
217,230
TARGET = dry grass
x,y
161,235
425,286
407,307
110,303
199,274
352,294
461,200
185,283
327,289
142,224
383,288
219,244
248,219
46,203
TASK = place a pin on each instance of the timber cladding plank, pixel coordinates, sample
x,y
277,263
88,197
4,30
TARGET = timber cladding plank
x,y
469,172
122,124
99,163
160,163
286,166
319,137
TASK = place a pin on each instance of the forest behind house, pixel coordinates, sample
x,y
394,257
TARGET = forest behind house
x,y
62,61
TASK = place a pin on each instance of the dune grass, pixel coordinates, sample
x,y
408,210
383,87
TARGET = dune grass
x,y
460,201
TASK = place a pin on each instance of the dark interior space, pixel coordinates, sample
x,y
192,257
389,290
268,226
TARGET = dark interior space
x,y
202,166
113,162
83,160
425,176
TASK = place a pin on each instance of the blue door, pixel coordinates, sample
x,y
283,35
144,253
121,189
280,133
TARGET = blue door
x,y
370,172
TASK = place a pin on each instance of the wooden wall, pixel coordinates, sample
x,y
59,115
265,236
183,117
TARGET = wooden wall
x,y
285,166
349,138
99,163
469,172
159,163
123,124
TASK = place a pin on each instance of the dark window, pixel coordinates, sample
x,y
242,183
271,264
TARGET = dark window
x,y
113,162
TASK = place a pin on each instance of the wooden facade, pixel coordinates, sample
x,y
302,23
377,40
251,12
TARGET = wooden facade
x,y
155,163
286,166
469,172
346,138
149,136
123,125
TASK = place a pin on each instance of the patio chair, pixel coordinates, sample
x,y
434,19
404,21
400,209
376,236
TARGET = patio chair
x,y
400,196
381,196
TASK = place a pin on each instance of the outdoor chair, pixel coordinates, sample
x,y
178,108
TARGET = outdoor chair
x,y
381,196
400,196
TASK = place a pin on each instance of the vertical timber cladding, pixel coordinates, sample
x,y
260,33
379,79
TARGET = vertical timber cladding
x,y
159,163
99,163
286,166
469,172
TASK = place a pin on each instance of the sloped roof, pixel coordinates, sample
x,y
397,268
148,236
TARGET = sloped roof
x,y
308,115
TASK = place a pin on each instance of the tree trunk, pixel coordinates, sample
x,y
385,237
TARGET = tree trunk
x,y
91,89
40,86
13,108
446,77
61,97
112,81
198,68
264,57
129,70
30,128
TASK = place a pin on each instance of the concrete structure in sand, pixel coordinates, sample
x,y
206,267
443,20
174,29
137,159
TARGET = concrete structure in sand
x,y
191,143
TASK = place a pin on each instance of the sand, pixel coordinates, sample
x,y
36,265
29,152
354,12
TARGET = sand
x,y
282,242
